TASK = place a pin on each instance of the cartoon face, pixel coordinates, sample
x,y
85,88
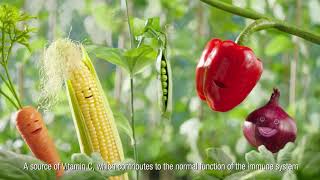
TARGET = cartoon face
x,y
88,93
85,94
267,127
270,125
29,121
270,131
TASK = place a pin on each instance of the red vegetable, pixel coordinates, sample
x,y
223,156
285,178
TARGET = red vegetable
x,y
226,73
270,126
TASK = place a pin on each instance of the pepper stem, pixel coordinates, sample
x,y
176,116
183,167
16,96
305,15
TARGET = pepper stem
x,y
279,25
257,25
274,99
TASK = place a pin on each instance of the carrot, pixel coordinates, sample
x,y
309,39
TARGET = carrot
x,y
35,133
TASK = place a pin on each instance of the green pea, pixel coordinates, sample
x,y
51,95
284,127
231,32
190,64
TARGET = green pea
x,y
164,98
164,78
163,71
163,63
165,91
164,85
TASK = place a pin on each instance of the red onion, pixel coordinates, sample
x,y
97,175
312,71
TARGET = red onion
x,y
270,126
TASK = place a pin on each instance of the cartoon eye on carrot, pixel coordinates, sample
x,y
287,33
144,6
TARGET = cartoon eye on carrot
x,y
29,121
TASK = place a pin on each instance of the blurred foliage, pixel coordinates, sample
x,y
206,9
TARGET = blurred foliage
x,y
194,127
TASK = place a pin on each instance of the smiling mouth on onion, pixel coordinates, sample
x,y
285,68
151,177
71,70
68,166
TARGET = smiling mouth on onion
x,y
267,131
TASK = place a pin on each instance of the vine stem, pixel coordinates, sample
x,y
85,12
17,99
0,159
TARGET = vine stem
x,y
131,97
129,25
277,24
133,127
257,25
234,9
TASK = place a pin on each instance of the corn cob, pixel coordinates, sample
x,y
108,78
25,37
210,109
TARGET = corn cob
x,y
93,118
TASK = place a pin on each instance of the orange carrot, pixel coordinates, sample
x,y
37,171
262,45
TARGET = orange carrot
x,y
35,133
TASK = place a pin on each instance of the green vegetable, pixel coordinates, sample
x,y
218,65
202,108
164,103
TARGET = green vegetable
x,y
163,63
164,78
163,71
165,83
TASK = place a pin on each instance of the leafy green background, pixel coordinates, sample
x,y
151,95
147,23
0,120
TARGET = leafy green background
x,y
193,127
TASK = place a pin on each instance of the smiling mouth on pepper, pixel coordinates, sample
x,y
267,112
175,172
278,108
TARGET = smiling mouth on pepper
x,y
266,131
220,84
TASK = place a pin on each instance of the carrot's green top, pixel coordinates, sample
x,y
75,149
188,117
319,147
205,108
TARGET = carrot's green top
x,y
14,30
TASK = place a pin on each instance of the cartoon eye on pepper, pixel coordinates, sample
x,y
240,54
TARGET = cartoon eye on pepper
x,y
226,74
270,126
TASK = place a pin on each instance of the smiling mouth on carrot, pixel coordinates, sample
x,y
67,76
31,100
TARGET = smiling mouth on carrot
x,y
36,131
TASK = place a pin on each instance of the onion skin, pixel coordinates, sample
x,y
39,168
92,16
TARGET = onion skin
x,y
270,126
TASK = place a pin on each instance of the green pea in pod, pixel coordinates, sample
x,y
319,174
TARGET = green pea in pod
x,y
164,84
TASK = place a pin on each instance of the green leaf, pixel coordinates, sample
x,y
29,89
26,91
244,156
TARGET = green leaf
x,y
82,175
80,158
262,175
132,60
112,55
98,160
155,24
85,141
279,44
13,164
307,148
97,163
14,28
289,175
138,25
202,176
262,157
285,154
123,124
218,156
238,175
139,58
311,166
118,172
255,175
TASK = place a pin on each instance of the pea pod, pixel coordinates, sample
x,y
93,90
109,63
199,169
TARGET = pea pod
x,y
164,84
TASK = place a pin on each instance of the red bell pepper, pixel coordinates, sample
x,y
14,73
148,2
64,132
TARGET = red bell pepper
x,y
226,74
